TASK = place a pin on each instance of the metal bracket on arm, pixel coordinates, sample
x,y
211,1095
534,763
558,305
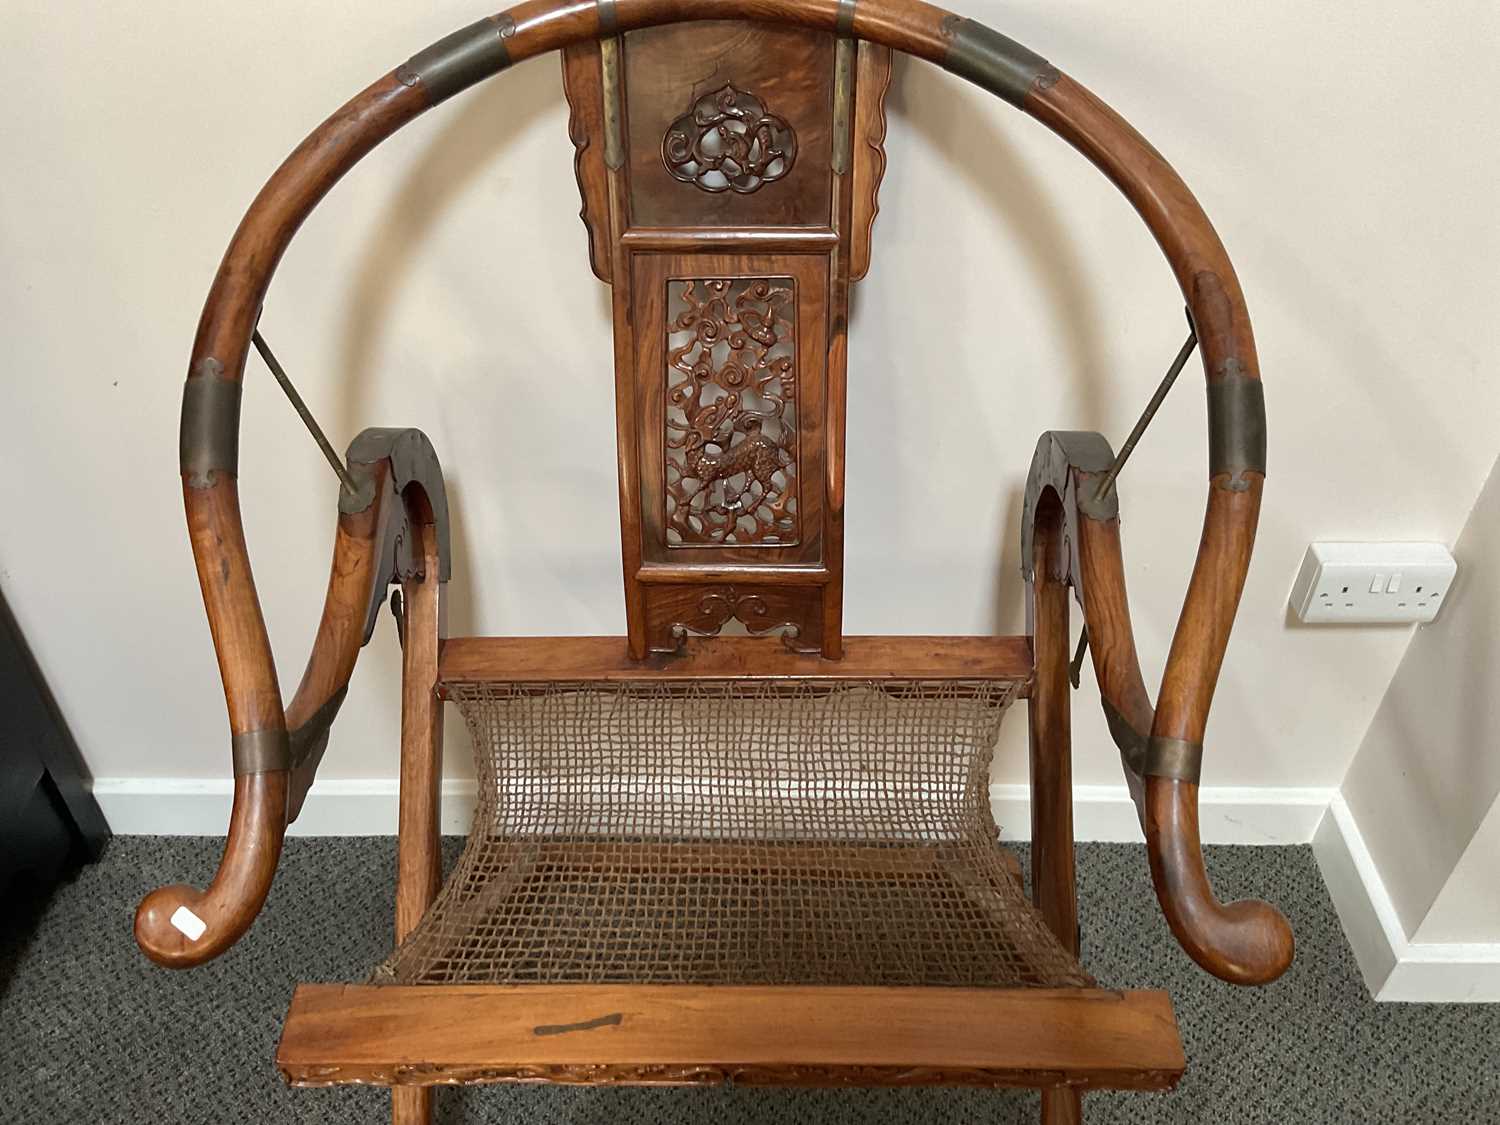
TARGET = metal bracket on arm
x,y
1058,453
413,461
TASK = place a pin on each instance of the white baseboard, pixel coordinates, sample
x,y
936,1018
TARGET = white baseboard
x,y
174,806
1394,967
193,807
1227,814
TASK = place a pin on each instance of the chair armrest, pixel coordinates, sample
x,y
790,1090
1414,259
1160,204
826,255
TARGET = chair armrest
x,y
400,485
1247,942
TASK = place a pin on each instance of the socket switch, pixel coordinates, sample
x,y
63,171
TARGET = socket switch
x,y
1368,583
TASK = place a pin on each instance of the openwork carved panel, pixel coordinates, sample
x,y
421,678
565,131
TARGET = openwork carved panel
x,y
729,141
729,123
731,415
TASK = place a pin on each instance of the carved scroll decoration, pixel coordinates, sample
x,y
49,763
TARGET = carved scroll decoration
x,y
720,605
729,141
731,427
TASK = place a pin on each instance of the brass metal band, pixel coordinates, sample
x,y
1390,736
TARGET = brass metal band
x,y
1132,743
614,129
1236,429
1175,758
261,751
455,62
845,25
264,751
843,104
993,61
609,18
843,87
209,439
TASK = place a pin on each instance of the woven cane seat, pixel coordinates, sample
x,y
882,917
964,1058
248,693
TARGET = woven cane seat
x,y
721,832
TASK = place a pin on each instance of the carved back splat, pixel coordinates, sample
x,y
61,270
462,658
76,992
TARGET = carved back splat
x,y
729,173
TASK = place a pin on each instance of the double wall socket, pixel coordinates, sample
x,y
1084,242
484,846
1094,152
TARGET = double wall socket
x,y
1366,583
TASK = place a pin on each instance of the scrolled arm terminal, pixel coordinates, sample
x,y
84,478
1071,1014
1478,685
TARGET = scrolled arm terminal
x,y
274,765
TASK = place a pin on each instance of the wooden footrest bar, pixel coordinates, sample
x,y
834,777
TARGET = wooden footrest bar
x,y
397,1035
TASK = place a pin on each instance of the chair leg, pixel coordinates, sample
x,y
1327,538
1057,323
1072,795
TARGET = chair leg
x,y
411,1105
1062,1107
1053,870
418,847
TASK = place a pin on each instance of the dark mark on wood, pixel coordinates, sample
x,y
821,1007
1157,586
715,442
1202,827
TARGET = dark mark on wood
x,y
614,1018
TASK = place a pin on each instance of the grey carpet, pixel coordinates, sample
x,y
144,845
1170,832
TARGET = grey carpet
x,y
90,1032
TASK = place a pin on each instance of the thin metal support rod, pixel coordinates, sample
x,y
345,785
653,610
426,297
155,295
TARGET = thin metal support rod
x,y
1075,668
398,611
304,413
1149,413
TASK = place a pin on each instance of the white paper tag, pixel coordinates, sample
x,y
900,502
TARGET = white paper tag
x,y
188,923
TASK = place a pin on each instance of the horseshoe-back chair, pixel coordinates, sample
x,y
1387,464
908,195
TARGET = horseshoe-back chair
x,y
733,844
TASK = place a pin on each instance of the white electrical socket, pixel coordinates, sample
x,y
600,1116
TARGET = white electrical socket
x,y
1365,583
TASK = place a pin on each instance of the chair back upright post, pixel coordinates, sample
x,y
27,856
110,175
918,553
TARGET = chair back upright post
x,y
1054,876
422,617
728,171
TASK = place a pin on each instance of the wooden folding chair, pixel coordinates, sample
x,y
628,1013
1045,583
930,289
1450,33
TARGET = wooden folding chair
x,y
733,844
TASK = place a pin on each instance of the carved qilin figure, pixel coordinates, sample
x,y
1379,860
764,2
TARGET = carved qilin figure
x,y
731,446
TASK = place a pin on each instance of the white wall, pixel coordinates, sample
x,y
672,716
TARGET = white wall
x,y
1467,909
1340,148
1410,846
1426,780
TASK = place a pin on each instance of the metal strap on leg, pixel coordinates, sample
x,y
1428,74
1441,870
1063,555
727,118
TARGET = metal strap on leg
x,y
1174,758
261,751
